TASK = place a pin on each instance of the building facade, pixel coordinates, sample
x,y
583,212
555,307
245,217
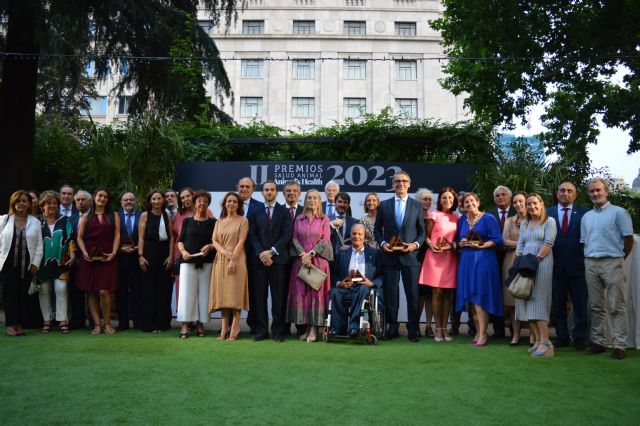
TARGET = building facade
x,y
300,63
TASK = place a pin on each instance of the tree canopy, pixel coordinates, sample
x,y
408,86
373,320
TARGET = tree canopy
x,y
509,55
46,45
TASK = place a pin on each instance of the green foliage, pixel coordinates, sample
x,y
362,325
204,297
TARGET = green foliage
x,y
629,200
510,55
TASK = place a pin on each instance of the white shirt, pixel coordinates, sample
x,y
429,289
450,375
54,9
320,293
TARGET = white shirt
x,y
245,206
66,211
561,213
268,208
162,231
357,260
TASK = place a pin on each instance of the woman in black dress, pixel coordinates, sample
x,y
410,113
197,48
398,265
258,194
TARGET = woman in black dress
x,y
155,241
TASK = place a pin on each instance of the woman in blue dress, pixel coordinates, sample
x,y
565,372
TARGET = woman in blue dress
x,y
478,281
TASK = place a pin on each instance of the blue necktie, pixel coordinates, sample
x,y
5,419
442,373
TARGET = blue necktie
x,y
399,214
129,224
330,212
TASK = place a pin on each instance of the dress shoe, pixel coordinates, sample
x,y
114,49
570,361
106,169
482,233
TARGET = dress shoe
x,y
581,345
391,333
595,349
279,338
260,337
617,354
414,337
561,342
354,333
454,331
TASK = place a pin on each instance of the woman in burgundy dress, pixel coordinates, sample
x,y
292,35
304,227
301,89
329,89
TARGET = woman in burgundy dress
x,y
98,240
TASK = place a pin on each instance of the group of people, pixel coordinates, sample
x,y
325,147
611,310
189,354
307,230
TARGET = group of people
x,y
454,255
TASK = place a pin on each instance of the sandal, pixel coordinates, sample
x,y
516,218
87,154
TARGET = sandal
x,y
108,329
96,330
46,328
64,329
184,335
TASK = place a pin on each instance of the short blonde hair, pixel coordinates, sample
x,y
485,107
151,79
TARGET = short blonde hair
x,y
306,209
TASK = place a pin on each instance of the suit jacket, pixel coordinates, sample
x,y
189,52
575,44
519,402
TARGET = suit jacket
x,y
324,208
412,230
33,235
276,233
254,206
568,252
348,222
129,257
494,212
372,267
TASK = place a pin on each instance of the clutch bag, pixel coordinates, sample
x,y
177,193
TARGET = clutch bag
x,y
312,276
520,287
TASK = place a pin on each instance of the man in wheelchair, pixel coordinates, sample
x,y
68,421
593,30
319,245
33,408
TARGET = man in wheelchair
x,y
358,272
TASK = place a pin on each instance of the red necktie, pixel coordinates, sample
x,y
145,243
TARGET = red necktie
x,y
502,219
565,221
293,213
269,215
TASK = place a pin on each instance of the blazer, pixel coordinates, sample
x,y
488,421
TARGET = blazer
x,y
276,233
348,222
324,208
35,246
372,267
411,231
136,222
568,252
494,212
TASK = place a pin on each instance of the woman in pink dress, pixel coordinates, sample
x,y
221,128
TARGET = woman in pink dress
x,y
441,262
312,243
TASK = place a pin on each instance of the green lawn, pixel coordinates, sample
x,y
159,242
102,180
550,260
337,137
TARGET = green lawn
x,y
137,378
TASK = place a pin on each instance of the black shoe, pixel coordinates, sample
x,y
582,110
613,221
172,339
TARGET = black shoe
x,y
260,337
429,332
392,333
581,344
413,337
354,333
454,331
561,342
595,349
278,338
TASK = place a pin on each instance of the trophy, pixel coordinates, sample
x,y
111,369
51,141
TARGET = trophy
x,y
127,245
473,239
96,254
355,277
396,244
442,244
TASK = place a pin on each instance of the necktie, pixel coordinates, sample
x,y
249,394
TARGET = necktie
x,y
399,213
503,217
565,221
129,224
341,227
269,215
173,214
292,210
330,212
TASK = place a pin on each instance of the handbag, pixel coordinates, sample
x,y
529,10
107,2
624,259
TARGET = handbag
x,y
312,276
520,287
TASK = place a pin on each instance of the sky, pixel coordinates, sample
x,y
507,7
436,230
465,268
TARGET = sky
x,y
610,151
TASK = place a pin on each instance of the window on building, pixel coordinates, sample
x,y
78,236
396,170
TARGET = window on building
x,y
303,107
355,69
124,67
355,107
252,68
123,104
252,27
90,69
304,27
304,68
355,27
250,107
407,107
97,106
407,29
406,70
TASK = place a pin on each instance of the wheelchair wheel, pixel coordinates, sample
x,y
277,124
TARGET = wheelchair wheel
x,y
372,339
378,322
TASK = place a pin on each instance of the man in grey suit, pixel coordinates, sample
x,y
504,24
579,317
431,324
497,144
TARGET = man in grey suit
x,y
401,217
568,268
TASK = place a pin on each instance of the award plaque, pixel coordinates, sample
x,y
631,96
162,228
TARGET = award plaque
x,y
127,245
443,244
97,255
474,239
355,277
396,244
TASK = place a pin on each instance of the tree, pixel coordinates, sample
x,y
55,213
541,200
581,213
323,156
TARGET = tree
x,y
509,55
106,30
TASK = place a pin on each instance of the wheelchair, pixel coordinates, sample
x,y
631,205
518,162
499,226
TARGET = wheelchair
x,y
370,329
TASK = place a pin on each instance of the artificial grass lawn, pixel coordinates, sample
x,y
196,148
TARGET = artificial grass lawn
x,y
136,378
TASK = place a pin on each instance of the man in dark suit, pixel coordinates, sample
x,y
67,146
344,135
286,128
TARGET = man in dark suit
x,y
128,296
341,225
401,217
246,186
292,194
568,268
331,190
502,199
270,235
67,207
367,262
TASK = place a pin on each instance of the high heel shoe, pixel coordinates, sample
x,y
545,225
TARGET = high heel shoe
x,y
545,350
446,336
223,334
438,335
234,335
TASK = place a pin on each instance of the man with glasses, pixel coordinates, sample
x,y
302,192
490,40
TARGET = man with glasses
x,y
400,221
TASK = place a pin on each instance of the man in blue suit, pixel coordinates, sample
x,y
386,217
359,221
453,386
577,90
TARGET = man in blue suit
x,y
401,217
128,295
568,268
246,185
366,261
270,234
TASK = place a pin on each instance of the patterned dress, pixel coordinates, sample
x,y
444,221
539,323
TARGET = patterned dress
x,y
369,226
510,235
306,305
532,237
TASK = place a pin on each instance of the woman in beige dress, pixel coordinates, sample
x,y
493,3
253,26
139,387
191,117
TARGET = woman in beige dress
x,y
229,281
510,235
